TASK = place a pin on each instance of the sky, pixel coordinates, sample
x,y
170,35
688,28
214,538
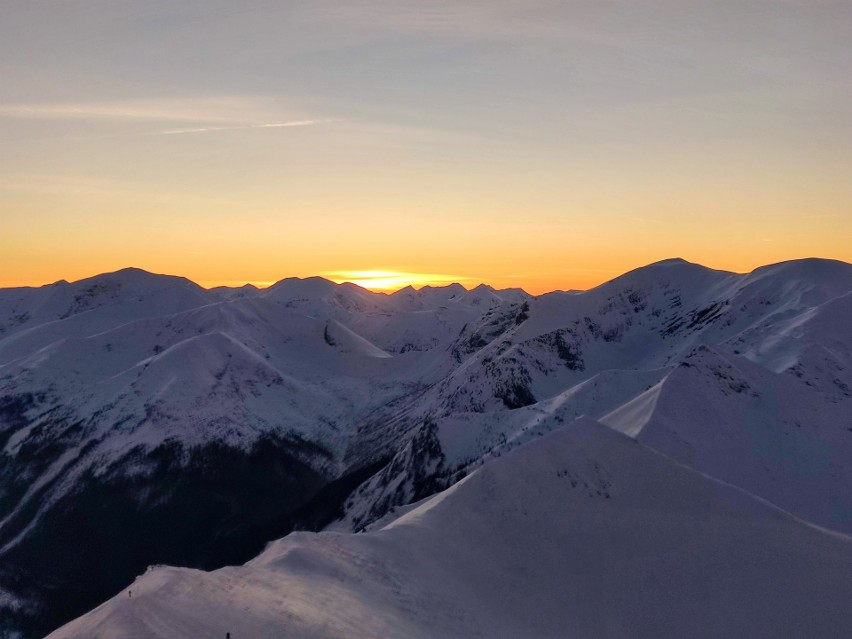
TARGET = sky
x,y
538,143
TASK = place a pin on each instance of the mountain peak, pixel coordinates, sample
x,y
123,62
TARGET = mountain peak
x,y
455,287
406,290
133,279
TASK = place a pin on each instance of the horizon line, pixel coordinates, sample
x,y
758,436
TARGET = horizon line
x,y
404,279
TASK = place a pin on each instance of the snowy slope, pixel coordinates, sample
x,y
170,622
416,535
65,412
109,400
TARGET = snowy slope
x,y
560,355
130,399
770,433
584,533
32,318
130,382
645,319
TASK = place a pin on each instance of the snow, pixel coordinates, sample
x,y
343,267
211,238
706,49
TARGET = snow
x,y
630,418
582,533
710,499
769,433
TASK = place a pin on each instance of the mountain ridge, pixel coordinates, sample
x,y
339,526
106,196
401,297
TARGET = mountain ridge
x,y
437,570
136,390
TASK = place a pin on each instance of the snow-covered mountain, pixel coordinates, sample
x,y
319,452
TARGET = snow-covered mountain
x,y
615,350
584,533
144,420
140,413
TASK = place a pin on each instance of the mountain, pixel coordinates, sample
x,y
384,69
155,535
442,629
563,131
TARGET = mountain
x,y
583,533
130,399
627,343
193,429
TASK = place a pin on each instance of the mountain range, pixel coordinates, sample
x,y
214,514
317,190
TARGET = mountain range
x,y
667,454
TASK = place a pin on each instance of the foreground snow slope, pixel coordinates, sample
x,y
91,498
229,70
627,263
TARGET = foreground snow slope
x,y
584,533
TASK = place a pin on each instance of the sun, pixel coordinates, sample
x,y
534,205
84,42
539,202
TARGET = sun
x,y
388,281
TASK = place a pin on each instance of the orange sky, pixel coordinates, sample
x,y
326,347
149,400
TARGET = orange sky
x,y
542,145
566,234
536,262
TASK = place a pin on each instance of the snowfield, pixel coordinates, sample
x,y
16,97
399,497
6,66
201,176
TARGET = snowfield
x,y
583,533
666,455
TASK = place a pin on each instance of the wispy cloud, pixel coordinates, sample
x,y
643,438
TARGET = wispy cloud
x,y
197,115
154,109
206,114
268,125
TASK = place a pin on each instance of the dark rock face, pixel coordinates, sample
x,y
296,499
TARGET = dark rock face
x,y
415,472
567,346
493,324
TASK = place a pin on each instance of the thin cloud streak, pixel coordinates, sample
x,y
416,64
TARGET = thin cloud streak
x,y
187,110
224,112
201,115
270,125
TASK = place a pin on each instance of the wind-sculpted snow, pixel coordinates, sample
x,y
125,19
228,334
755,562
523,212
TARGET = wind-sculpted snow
x,y
584,533
770,433
171,424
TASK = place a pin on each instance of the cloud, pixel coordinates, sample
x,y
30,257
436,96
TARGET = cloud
x,y
268,125
208,113
197,115
169,109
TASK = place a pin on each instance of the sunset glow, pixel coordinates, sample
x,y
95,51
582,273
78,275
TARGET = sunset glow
x,y
544,146
388,281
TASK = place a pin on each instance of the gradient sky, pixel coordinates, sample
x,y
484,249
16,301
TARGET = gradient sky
x,y
544,144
